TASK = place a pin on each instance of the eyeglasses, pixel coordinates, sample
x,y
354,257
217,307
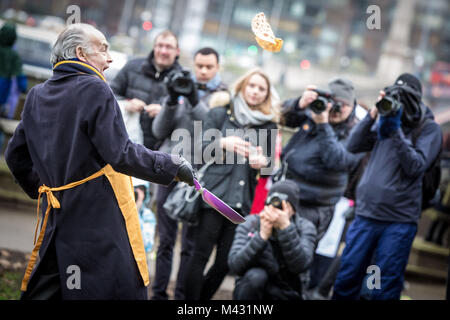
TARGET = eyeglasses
x,y
168,47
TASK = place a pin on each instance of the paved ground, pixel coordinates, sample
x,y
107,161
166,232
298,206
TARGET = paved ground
x,y
17,226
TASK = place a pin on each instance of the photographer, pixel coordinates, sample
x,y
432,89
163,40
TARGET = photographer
x,y
315,157
271,249
176,120
389,193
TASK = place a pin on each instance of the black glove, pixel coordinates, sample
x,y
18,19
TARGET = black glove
x,y
193,96
173,96
185,172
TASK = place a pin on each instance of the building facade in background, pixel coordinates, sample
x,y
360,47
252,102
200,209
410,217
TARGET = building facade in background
x,y
319,34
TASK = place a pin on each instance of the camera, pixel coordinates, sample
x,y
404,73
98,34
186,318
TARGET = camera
x,y
320,104
275,199
390,103
180,81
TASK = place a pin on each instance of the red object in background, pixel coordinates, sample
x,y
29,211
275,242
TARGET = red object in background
x,y
305,64
31,22
260,196
262,188
440,73
147,25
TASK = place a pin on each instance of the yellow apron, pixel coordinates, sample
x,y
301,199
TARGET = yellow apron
x,y
124,193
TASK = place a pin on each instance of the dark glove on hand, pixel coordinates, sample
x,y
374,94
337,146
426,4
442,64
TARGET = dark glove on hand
x,y
389,124
193,96
185,172
173,96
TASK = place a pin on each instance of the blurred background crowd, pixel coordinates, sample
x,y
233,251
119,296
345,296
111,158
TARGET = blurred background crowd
x,y
321,38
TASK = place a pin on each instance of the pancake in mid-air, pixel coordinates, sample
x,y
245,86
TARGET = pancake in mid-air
x,y
264,35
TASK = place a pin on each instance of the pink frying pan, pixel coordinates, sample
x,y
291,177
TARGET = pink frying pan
x,y
218,204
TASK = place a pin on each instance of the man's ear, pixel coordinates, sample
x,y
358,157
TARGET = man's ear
x,y
80,54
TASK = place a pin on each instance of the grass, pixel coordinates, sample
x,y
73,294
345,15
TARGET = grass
x,y
10,285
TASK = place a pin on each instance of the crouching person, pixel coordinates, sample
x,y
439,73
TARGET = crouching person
x,y
270,250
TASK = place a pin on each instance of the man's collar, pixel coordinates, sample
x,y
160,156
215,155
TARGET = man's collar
x,y
76,66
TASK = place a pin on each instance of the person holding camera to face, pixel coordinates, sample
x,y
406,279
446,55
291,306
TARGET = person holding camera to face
x,y
403,144
270,250
315,157
186,103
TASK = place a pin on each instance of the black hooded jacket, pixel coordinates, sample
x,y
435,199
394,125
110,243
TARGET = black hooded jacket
x,y
390,189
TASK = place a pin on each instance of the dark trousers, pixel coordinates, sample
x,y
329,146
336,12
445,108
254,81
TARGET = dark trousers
x,y
326,283
251,285
318,269
167,232
213,230
387,246
256,284
320,216
323,277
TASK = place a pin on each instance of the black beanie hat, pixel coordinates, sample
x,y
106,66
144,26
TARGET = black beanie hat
x,y
413,109
289,188
409,80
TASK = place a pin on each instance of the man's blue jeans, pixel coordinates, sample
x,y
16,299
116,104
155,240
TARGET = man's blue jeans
x,y
386,245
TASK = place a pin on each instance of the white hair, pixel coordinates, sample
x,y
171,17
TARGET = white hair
x,y
73,36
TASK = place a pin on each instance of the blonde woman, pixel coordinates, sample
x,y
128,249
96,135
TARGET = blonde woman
x,y
246,120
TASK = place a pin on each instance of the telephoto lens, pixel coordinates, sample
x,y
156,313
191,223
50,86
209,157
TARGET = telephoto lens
x,y
384,106
390,103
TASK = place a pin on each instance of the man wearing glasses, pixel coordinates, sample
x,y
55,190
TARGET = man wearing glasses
x,y
141,83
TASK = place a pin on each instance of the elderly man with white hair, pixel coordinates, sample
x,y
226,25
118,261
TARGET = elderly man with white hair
x,y
71,148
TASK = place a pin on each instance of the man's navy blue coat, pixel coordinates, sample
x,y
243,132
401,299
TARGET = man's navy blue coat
x,y
391,187
72,127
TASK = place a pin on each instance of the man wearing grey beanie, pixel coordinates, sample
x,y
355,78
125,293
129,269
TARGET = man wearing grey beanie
x,y
315,157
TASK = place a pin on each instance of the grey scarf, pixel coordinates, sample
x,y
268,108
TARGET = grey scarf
x,y
246,116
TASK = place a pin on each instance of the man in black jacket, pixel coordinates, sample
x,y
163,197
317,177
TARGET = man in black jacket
x,y
271,249
315,156
141,83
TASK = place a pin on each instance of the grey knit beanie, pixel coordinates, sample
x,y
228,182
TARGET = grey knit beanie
x,y
343,89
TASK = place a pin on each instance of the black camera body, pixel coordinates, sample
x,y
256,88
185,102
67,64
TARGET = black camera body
x,y
390,103
320,104
180,81
275,199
